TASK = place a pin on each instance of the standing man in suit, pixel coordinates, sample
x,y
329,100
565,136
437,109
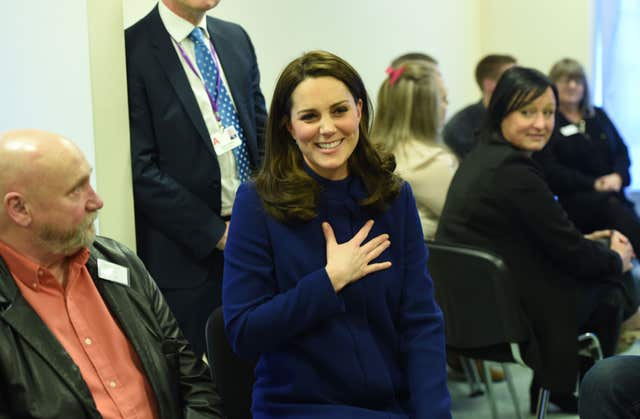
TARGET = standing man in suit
x,y
197,118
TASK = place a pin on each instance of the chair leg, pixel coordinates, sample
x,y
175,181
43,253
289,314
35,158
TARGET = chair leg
x,y
489,385
543,403
472,376
512,389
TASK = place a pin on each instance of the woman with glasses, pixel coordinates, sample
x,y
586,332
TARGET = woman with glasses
x,y
586,162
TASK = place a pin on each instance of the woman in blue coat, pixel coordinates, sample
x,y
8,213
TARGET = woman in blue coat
x,y
325,277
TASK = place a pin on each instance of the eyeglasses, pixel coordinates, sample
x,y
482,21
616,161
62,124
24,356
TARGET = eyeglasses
x,y
567,80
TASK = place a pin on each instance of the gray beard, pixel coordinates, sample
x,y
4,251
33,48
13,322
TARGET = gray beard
x,y
67,242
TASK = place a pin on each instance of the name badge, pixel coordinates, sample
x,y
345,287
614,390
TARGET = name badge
x,y
226,140
112,272
569,130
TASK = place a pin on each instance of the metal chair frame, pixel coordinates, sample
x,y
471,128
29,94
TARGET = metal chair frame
x,y
509,325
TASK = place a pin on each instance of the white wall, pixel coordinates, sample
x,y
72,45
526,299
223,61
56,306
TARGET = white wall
x,y
539,33
63,70
370,33
44,74
111,119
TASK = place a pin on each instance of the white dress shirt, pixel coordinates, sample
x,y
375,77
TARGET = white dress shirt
x,y
179,30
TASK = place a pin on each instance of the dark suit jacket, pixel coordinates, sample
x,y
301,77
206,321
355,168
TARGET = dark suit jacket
x,y
176,176
38,379
460,132
499,201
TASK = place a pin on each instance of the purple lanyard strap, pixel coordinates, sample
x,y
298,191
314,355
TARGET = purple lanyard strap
x,y
212,100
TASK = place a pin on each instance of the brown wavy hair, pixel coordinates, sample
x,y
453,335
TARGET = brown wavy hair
x,y
287,191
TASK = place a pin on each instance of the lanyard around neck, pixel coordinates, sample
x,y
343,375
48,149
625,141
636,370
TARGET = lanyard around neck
x,y
212,100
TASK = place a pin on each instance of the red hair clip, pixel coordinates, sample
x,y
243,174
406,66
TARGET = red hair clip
x,y
394,74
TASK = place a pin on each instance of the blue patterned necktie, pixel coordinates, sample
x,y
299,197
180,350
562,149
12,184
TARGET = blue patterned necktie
x,y
226,112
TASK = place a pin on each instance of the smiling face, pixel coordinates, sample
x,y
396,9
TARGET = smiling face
x,y
530,127
570,90
324,122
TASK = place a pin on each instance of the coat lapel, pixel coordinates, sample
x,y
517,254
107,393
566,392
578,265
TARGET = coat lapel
x,y
165,53
118,299
25,322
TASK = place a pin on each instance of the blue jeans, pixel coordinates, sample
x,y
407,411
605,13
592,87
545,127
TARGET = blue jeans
x,y
611,389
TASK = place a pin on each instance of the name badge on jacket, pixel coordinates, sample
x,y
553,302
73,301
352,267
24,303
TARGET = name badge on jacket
x,y
569,130
113,272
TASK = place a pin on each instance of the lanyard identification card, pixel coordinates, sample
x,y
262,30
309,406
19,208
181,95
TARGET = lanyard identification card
x,y
226,140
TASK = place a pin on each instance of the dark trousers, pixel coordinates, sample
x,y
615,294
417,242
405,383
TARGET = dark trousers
x,y
611,213
600,309
611,389
623,218
193,306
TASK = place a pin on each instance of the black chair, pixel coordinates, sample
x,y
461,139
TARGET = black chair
x,y
233,375
483,318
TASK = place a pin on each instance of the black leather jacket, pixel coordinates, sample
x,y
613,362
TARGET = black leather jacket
x,y
38,379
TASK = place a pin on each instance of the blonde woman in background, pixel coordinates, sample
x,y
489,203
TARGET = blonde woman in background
x,y
411,108
410,114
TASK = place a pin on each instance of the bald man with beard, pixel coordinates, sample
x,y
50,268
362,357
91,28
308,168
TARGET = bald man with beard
x,y
84,331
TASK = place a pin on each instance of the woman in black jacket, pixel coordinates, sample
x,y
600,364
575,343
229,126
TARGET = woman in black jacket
x,y
586,162
499,200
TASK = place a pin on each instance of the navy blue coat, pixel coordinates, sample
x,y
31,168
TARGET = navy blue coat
x,y
373,350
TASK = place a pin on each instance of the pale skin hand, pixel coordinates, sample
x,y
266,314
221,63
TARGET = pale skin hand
x,y
599,234
223,240
621,245
351,260
608,183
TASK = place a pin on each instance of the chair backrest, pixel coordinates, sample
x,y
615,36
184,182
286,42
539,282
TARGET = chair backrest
x,y
479,301
234,376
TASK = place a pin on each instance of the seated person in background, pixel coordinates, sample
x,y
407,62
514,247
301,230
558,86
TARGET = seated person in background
x,y
412,103
409,120
499,201
611,389
325,274
84,331
586,162
460,132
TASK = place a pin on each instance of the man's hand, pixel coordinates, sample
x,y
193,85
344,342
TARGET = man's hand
x,y
223,240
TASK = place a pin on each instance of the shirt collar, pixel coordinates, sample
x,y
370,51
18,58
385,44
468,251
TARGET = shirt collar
x,y
179,28
24,269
